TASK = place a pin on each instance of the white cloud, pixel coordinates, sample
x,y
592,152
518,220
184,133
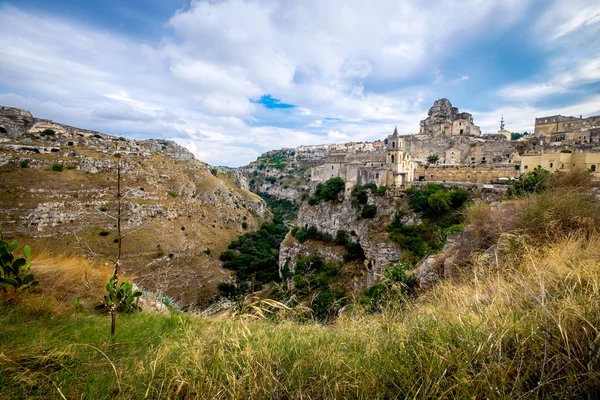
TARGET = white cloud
x,y
325,57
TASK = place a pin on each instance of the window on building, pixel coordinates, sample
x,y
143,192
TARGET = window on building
x,y
551,165
462,131
393,159
593,168
377,175
332,167
562,166
526,167
393,144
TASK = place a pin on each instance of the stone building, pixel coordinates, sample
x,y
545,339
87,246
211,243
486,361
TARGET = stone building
x,y
559,129
393,167
443,119
559,161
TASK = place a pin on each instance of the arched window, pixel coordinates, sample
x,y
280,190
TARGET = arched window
x,y
393,144
393,159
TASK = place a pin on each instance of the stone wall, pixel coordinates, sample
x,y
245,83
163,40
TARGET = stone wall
x,y
466,173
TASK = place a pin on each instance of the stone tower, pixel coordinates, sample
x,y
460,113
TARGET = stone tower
x,y
445,120
401,166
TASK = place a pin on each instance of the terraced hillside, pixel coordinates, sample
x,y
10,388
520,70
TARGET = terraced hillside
x,y
58,193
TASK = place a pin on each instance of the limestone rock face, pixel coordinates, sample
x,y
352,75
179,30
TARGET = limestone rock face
x,y
177,216
13,121
370,233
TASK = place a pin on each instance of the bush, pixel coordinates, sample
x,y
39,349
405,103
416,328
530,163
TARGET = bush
x,y
172,193
256,253
244,225
48,132
103,208
368,211
329,191
14,272
432,159
71,166
103,233
360,194
58,167
354,252
228,290
24,163
312,233
214,171
535,181
342,238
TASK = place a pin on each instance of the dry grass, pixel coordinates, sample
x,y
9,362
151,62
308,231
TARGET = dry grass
x,y
525,329
63,279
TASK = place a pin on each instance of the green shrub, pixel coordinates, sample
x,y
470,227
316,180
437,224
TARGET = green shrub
x,y
256,253
368,211
24,163
71,166
312,233
126,299
103,208
103,233
535,181
58,167
432,159
48,132
566,151
354,252
244,225
342,238
14,272
172,193
329,191
214,171
228,290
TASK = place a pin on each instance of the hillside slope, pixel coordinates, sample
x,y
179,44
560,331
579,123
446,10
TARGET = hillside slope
x,y
58,193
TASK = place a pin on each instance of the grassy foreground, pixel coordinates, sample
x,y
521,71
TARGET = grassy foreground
x,y
529,331
520,320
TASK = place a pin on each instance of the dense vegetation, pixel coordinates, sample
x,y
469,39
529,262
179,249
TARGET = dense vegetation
x,y
328,191
256,253
277,159
439,209
354,249
282,209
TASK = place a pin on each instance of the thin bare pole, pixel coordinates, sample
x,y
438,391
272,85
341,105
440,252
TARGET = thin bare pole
x,y
115,278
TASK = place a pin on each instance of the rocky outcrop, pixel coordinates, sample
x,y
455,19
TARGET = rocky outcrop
x,y
371,234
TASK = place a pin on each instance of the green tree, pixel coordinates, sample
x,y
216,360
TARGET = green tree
x,y
432,159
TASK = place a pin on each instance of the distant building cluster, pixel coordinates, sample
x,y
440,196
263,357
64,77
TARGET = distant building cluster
x,y
450,147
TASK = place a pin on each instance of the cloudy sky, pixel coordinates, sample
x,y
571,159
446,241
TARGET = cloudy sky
x,y
230,79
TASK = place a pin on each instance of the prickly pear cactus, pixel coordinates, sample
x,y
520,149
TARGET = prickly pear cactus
x,y
14,272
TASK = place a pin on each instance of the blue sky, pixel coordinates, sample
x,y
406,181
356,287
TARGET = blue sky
x,y
231,79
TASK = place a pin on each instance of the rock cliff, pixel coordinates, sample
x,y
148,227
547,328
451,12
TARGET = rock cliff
x,y
370,233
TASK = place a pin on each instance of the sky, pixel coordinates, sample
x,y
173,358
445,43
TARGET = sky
x,y
231,79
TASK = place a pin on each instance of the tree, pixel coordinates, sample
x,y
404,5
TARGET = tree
x,y
432,159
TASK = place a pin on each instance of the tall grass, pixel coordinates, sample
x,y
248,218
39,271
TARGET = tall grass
x,y
514,330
